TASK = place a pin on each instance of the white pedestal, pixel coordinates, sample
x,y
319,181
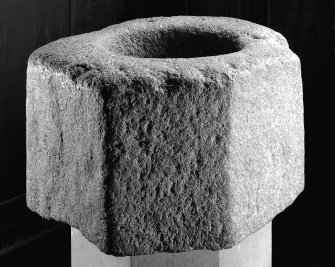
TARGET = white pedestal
x,y
254,251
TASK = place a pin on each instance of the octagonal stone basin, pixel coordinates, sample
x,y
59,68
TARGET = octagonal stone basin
x,y
165,134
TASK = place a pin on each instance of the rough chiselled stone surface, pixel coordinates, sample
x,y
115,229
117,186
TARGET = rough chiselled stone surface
x,y
165,134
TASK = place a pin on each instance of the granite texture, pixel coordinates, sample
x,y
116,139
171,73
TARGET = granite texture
x,y
165,134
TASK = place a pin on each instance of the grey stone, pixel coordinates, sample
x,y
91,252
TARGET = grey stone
x,y
165,134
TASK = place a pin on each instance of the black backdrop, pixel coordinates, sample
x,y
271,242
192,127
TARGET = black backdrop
x,y
301,234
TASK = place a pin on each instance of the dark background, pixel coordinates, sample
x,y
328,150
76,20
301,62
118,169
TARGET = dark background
x,y
302,234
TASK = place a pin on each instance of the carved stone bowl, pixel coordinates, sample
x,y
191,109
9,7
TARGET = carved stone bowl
x,y
165,134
